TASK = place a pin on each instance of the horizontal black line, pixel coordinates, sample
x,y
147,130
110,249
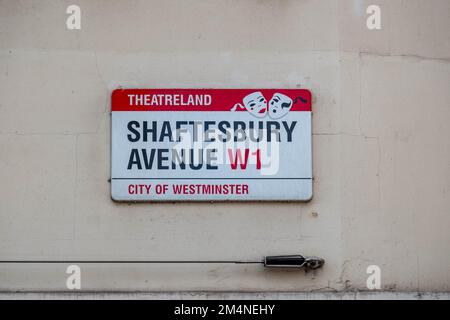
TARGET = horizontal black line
x,y
211,178
134,261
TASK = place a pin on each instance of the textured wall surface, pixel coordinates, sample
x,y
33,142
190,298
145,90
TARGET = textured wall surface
x,y
381,147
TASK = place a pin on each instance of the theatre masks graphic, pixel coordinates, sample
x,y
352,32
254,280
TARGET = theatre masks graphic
x,y
279,105
254,103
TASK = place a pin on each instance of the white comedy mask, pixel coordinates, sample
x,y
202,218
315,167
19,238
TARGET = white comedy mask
x,y
256,104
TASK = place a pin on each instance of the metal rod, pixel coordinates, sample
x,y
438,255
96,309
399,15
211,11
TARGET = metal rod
x,y
135,261
288,261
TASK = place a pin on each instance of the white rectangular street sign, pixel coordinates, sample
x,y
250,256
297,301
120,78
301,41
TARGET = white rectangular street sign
x,y
211,144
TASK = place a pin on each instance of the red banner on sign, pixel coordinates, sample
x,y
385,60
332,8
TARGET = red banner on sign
x,y
251,100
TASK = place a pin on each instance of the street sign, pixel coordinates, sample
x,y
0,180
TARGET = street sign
x,y
211,144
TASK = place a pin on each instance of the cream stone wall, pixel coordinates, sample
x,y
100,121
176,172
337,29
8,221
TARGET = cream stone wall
x,y
381,147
